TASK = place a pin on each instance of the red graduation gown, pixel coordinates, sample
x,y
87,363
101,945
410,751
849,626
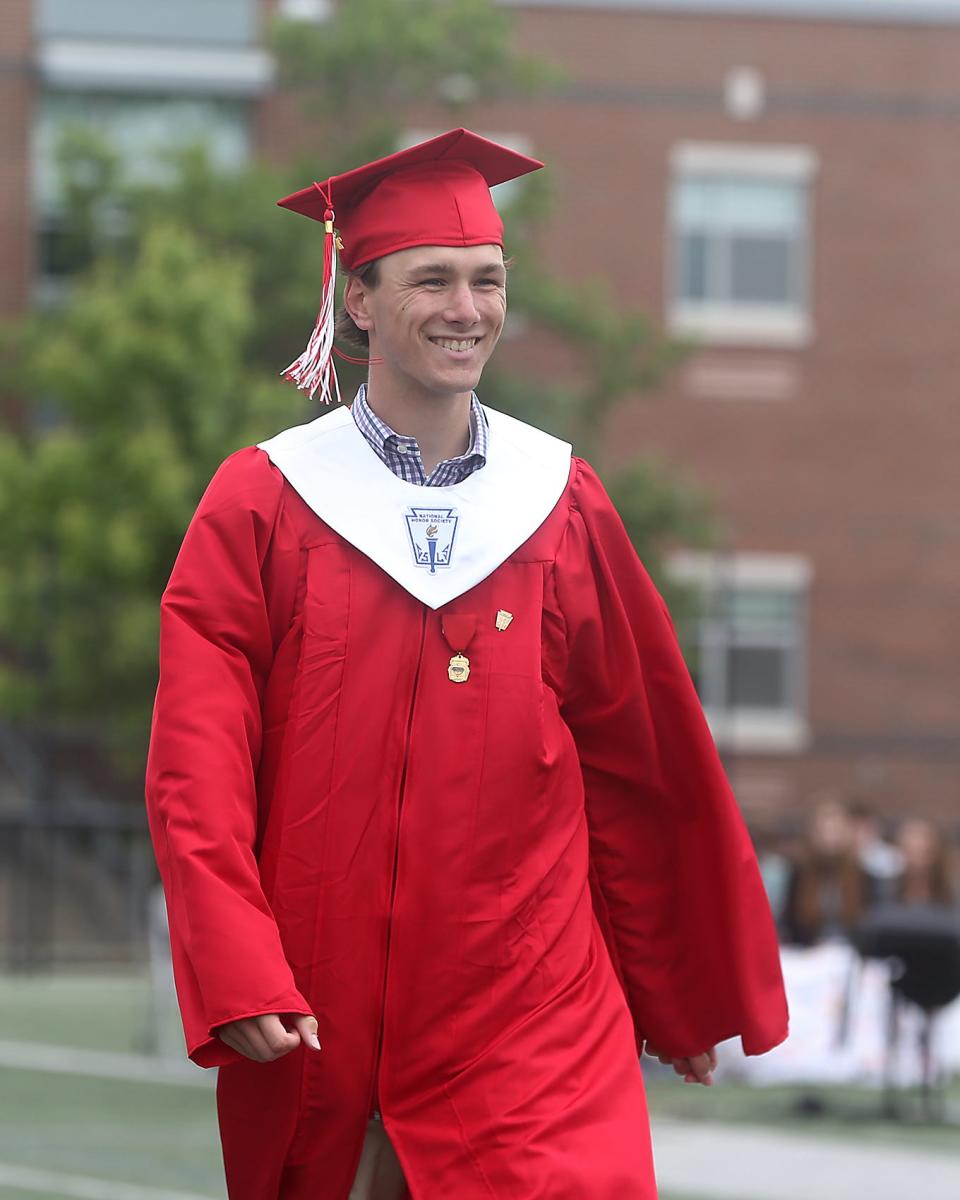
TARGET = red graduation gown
x,y
488,893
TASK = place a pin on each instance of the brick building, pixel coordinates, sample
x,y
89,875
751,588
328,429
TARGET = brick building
x,y
16,101
777,180
780,180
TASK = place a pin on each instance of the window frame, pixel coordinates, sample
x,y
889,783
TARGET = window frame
x,y
229,134
750,728
727,322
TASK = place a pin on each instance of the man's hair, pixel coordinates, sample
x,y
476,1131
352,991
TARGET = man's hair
x,y
346,329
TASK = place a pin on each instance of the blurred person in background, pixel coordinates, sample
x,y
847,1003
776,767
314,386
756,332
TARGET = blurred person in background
x,y
882,862
829,890
925,876
428,776
773,848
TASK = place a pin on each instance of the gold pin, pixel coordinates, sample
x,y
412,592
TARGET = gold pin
x,y
459,668
503,619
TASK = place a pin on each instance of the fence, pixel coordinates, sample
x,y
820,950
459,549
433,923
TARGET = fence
x,y
76,872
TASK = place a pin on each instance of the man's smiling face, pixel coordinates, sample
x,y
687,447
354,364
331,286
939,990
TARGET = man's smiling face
x,y
434,316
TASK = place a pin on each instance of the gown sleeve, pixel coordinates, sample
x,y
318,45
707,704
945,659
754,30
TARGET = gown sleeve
x,y
675,880
224,609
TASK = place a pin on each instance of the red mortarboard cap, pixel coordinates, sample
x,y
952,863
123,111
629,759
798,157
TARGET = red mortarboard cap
x,y
434,194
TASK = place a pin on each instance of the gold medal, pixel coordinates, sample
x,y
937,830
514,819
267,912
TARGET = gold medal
x,y
458,630
503,619
459,669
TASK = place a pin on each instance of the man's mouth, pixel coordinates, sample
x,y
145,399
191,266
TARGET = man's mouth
x,y
459,345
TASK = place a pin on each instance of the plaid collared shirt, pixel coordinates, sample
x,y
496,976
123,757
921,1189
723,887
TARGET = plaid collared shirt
x,y
402,454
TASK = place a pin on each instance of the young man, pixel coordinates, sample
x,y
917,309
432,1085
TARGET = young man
x,y
428,776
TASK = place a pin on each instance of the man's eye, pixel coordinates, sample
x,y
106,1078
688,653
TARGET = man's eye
x,y
433,282
489,283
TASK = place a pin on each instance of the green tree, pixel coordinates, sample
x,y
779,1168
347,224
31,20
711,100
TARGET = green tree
x,y
190,298
379,61
147,365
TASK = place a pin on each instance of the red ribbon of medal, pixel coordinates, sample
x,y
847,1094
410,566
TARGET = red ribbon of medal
x,y
458,630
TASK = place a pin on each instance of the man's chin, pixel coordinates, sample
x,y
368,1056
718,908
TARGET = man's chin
x,y
456,382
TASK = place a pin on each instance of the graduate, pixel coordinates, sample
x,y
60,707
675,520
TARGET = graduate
x,y
443,833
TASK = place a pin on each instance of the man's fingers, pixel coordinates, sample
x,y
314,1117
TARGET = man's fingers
x,y
262,1038
279,1040
700,1068
696,1069
306,1027
655,1053
237,1036
252,1042
229,1038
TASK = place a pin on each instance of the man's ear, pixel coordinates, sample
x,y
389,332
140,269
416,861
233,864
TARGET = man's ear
x,y
355,302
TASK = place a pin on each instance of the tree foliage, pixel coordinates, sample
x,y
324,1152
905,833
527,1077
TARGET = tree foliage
x,y
148,372
380,60
186,300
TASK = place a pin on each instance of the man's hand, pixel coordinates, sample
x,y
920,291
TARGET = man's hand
x,y
271,1036
698,1068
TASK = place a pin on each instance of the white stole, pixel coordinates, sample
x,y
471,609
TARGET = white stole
x,y
436,542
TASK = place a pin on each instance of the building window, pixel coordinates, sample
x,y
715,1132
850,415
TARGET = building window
x,y
211,48
143,131
740,243
213,22
747,646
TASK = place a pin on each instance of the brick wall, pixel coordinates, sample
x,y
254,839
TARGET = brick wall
x,y
16,99
844,450
849,456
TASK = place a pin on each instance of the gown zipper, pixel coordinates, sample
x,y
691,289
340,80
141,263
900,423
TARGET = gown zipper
x,y
374,1103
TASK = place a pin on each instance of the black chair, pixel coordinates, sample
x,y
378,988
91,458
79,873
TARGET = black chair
x,y
923,943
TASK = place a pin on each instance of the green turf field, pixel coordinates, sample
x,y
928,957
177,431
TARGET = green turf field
x,y
78,1135
133,1132
102,1012
158,1135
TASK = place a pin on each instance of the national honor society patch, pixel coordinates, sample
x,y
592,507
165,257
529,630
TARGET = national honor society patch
x,y
432,532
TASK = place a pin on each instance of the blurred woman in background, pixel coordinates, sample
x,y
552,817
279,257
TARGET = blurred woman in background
x,y
828,890
925,876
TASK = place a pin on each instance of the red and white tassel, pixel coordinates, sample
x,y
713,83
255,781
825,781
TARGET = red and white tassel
x,y
314,369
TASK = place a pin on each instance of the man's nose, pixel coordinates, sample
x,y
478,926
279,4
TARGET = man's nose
x,y
461,307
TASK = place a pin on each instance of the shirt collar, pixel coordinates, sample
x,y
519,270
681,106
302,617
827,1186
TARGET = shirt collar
x,y
384,439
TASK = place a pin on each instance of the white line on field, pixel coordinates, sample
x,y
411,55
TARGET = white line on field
x,y
84,1187
102,1064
